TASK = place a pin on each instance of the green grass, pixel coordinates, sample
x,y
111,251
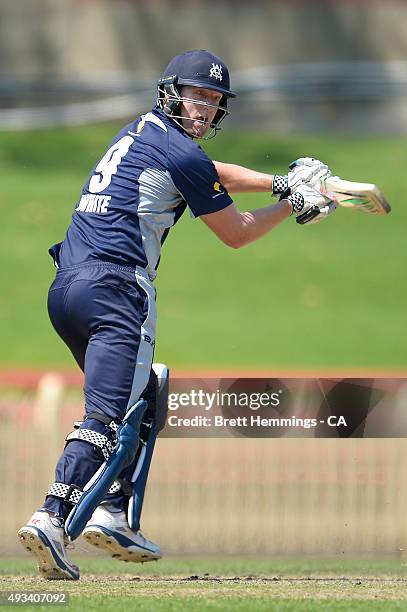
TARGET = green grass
x,y
324,296
224,584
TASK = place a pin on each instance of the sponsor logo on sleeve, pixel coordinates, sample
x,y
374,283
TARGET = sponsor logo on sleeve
x,y
218,188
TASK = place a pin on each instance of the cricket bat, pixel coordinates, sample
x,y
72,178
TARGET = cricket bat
x,y
362,196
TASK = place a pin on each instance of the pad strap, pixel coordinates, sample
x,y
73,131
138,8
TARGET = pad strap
x,y
121,485
93,437
102,418
70,494
145,429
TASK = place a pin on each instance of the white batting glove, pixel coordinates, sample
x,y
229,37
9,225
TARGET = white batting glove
x,y
316,168
306,170
309,205
306,161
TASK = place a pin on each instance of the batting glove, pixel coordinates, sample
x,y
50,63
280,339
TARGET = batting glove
x,y
309,205
303,170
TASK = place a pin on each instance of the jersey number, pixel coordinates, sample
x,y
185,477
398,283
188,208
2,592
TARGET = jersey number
x,y
108,164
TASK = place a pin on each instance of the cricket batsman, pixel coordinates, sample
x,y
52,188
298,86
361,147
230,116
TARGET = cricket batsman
x,y
102,301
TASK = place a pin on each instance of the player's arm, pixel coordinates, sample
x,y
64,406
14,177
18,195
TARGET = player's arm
x,y
238,179
236,229
196,178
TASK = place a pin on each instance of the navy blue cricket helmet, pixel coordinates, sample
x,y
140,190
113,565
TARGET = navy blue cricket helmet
x,y
198,68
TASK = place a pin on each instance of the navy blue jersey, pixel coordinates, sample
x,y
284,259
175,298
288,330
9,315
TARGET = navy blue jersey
x,y
139,189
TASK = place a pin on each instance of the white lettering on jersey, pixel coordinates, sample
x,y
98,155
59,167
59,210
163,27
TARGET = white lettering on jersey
x,y
93,204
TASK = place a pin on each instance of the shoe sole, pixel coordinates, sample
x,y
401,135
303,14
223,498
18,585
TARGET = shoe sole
x,y
100,539
32,542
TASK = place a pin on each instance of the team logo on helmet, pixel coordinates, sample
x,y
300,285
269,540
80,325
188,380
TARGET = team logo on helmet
x,y
216,71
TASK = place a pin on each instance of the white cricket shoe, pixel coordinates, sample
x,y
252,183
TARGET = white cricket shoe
x,y
43,537
110,531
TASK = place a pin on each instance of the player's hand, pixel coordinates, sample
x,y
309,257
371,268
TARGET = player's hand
x,y
305,170
317,170
309,205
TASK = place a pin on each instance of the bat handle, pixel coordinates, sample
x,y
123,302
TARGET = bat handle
x,y
310,214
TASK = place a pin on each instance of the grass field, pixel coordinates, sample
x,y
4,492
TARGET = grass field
x,y
325,296
226,584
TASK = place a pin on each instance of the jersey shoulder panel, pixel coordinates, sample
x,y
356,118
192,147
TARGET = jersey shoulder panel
x,y
150,141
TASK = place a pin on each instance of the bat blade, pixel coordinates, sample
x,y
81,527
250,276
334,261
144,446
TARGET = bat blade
x,y
362,196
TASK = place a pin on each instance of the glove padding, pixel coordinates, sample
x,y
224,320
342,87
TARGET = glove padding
x,y
309,205
305,170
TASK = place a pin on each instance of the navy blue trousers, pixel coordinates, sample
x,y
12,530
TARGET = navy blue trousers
x,y
106,316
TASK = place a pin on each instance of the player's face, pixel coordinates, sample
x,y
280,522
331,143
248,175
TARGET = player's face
x,y
196,115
